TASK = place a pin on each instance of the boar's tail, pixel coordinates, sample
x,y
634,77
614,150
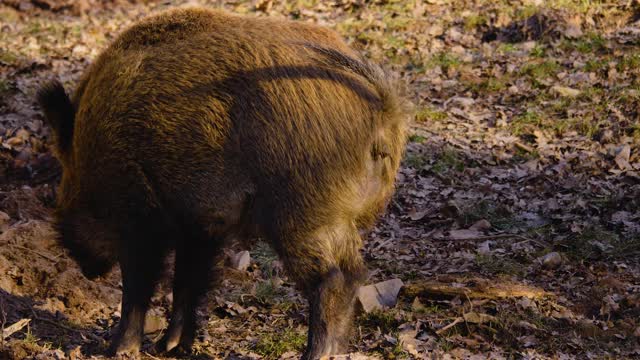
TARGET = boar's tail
x,y
387,85
59,113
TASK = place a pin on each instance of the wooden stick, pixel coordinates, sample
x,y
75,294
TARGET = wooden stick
x,y
15,327
454,323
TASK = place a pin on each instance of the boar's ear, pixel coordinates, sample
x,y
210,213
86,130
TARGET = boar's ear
x,y
59,113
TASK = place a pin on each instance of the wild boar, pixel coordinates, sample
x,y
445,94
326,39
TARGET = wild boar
x,y
196,126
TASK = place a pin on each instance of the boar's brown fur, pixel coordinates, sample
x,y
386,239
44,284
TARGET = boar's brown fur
x,y
196,126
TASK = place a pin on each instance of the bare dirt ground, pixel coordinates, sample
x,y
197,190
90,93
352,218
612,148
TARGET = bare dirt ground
x,y
516,223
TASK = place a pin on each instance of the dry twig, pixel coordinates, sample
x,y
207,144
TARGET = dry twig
x,y
13,328
447,327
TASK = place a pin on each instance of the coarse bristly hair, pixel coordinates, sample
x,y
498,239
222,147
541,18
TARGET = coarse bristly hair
x,y
196,126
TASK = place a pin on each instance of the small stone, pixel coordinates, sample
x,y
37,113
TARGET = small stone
x,y
379,296
368,298
551,260
389,290
241,260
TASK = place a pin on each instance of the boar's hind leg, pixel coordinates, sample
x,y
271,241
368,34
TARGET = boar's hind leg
x,y
330,284
141,267
331,308
193,270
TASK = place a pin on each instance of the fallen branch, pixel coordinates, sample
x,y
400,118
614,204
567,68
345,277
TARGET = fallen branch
x,y
472,289
15,327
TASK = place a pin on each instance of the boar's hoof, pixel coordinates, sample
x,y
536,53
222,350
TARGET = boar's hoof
x,y
165,344
315,353
124,349
170,346
179,351
125,355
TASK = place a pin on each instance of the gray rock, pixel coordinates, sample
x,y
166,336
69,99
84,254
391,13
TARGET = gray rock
x,y
551,260
241,260
382,295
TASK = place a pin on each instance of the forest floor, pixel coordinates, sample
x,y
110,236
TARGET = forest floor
x,y
516,223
